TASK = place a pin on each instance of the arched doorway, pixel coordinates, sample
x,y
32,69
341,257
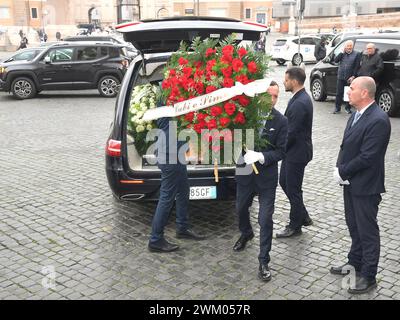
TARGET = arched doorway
x,y
94,16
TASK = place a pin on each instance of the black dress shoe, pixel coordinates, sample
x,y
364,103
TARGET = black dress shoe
x,y
363,285
343,269
162,246
336,112
189,234
241,243
263,273
308,222
288,232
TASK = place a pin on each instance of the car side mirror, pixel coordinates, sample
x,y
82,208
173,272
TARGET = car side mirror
x,y
47,60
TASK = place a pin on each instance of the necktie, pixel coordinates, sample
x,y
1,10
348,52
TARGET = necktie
x,y
356,117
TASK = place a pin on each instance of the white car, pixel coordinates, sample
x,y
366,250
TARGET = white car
x,y
286,49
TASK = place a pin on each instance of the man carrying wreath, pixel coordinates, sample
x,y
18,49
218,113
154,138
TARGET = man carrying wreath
x,y
264,184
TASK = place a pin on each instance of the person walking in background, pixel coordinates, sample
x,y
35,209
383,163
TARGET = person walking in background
x,y
360,168
264,184
24,42
348,60
320,50
371,64
299,150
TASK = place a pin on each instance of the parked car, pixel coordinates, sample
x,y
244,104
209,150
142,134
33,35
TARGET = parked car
x,y
339,37
324,74
131,51
287,49
26,54
66,66
131,176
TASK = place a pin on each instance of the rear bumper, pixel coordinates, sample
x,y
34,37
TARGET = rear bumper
x,y
138,187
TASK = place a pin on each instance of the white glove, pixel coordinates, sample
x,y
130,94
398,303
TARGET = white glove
x,y
338,179
252,157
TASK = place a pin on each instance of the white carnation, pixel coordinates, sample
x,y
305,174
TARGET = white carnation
x,y
149,127
140,128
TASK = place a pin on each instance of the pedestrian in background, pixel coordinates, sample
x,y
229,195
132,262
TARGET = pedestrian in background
x,y
349,61
264,184
360,168
320,50
371,64
299,150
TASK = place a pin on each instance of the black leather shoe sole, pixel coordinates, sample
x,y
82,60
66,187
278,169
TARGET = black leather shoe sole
x,y
361,291
160,250
241,247
308,222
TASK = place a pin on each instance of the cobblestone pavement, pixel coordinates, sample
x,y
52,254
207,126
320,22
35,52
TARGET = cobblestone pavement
x,y
57,214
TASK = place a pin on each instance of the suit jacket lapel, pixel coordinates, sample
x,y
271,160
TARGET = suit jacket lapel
x,y
349,128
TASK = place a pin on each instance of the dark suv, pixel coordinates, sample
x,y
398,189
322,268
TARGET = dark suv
x,y
324,75
67,66
131,176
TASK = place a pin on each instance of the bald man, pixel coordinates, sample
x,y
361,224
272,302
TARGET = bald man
x,y
349,61
371,63
361,170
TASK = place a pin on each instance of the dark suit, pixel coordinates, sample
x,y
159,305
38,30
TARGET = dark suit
x,y
361,160
299,151
264,184
174,183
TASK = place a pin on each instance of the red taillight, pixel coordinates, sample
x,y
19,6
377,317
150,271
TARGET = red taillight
x,y
125,63
113,148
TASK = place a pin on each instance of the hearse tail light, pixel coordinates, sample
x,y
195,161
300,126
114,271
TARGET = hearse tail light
x,y
113,148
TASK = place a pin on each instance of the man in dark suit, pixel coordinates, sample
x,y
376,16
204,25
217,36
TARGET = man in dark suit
x,y
264,184
174,187
299,150
361,169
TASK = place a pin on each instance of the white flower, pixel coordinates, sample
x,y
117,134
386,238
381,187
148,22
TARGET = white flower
x,y
140,114
149,127
132,110
139,128
142,105
152,106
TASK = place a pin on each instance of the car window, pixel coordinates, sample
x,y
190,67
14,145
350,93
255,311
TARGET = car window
x,y
307,41
60,54
103,52
27,55
388,49
114,52
85,54
280,42
338,49
336,40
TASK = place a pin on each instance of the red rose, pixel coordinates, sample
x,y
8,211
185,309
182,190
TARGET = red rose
x,y
227,50
244,101
189,116
230,108
199,87
224,122
228,82
210,51
199,126
187,71
210,65
198,64
182,61
242,52
242,79
210,89
212,124
240,118
201,116
216,111
227,72
252,67
172,73
237,65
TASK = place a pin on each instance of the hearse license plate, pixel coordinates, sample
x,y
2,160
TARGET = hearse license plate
x,y
197,193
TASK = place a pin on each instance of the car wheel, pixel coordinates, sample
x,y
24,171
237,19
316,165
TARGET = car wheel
x,y
317,90
387,102
297,59
281,62
23,88
108,86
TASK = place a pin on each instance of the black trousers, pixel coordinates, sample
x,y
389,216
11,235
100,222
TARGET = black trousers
x,y
291,181
339,95
266,198
361,219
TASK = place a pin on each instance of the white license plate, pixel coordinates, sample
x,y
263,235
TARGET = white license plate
x,y
197,193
